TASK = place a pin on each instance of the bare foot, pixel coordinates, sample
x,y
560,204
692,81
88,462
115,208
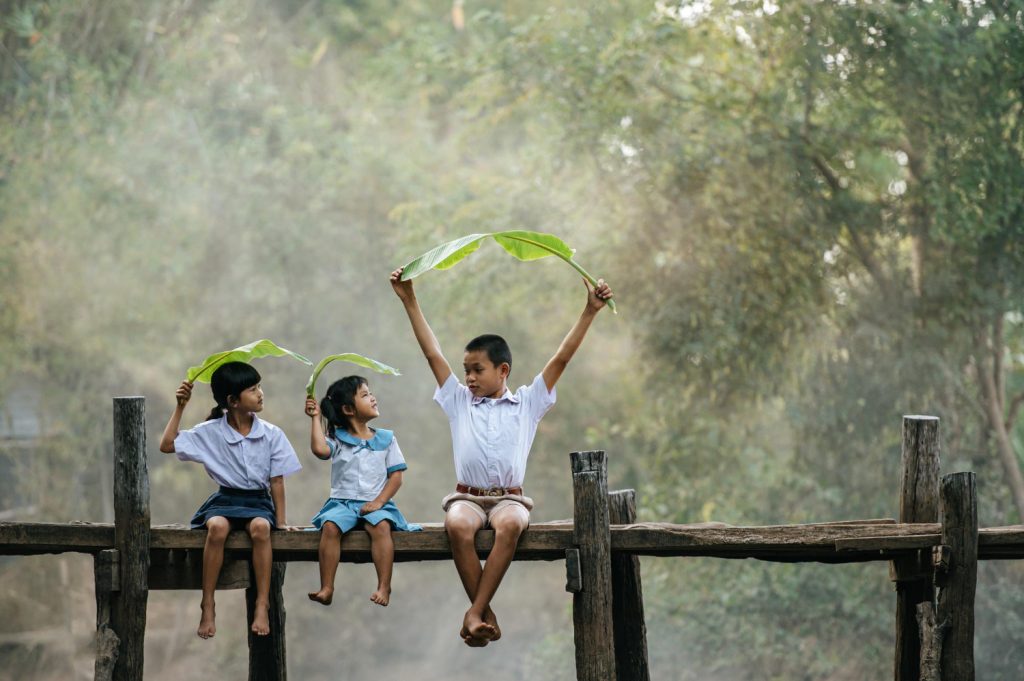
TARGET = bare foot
x,y
470,641
492,619
325,595
261,619
381,596
477,629
207,628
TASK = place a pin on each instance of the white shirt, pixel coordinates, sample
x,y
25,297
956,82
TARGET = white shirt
x,y
236,460
491,438
360,468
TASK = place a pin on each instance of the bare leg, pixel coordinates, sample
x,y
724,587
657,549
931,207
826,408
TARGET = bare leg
x,y
262,560
461,524
509,523
330,555
382,548
217,529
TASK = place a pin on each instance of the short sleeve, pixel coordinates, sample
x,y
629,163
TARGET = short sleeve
x,y
332,446
394,459
283,460
449,395
538,398
188,445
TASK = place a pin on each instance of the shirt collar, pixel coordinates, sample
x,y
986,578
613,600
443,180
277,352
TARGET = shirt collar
x,y
234,437
507,395
380,441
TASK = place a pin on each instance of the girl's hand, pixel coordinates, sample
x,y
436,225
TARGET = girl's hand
x,y
289,528
312,408
403,289
370,507
598,297
183,393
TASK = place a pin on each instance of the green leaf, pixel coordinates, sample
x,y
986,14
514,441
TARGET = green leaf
x,y
352,358
520,244
254,350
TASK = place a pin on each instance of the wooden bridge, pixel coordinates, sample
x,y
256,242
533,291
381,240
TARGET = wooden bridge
x,y
933,564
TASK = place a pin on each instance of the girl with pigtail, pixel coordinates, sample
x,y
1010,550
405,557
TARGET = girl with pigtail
x,y
366,472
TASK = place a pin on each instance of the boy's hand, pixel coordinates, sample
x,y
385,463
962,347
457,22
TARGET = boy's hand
x,y
598,297
183,393
403,289
370,507
312,408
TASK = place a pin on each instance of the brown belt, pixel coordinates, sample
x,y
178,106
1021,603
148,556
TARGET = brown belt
x,y
492,492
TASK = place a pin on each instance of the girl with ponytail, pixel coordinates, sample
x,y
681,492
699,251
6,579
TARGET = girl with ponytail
x,y
366,472
249,459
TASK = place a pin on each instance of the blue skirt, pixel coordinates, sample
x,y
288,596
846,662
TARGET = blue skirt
x,y
345,514
236,504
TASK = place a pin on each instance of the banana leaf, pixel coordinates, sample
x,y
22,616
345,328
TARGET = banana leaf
x,y
520,244
254,350
352,358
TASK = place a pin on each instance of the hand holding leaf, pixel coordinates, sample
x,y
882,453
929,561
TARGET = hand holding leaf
x,y
254,350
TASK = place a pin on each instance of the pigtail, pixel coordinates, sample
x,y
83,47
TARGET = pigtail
x,y
215,413
330,418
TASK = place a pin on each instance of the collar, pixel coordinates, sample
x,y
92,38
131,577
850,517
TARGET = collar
x,y
507,395
380,441
234,437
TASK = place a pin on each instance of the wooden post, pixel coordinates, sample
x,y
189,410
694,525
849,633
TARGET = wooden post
x,y
107,574
957,584
592,605
919,503
131,535
630,630
267,659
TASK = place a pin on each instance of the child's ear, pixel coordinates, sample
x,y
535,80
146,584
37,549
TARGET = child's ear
x,y
505,369
347,410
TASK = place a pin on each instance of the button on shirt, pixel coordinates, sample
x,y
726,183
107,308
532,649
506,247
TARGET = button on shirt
x,y
491,438
236,460
360,468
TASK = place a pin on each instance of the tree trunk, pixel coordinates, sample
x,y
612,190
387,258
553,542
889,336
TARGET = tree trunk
x,y
993,402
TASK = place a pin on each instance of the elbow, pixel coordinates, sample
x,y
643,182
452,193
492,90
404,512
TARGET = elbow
x,y
167,448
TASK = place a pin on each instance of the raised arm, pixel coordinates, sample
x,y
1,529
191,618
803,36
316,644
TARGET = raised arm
x,y
424,336
182,395
596,299
317,439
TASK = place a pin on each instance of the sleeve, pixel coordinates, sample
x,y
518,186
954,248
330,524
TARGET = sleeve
x,y
332,446
538,399
190,445
450,395
283,460
394,459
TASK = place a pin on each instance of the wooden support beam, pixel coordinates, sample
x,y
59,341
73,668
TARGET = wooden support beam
x,y
592,605
107,580
131,535
267,658
958,583
183,569
919,503
630,629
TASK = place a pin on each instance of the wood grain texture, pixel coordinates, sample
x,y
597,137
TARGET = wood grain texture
x,y
630,628
957,585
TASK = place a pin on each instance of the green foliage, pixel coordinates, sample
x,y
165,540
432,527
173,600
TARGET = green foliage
x,y
351,358
261,348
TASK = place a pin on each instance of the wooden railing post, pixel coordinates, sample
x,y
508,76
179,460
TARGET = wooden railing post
x,y
957,584
131,536
919,503
629,628
592,605
267,658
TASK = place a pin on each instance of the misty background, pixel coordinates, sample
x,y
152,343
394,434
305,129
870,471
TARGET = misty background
x,y
810,213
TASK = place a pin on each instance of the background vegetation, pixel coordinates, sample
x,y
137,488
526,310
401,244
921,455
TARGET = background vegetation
x,y
810,211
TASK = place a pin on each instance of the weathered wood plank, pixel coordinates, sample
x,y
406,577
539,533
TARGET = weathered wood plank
x,y
919,503
630,628
131,535
957,584
183,569
592,605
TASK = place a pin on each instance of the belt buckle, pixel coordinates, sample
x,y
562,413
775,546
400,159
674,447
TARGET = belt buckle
x,y
495,492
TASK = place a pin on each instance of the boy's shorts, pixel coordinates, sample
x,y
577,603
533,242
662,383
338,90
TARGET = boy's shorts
x,y
486,507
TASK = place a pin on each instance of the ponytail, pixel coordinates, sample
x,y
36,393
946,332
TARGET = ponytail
x,y
215,413
340,394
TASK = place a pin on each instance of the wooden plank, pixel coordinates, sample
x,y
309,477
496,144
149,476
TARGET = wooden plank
x,y
131,535
910,542
171,569
919,503
592,605
630,627
957,584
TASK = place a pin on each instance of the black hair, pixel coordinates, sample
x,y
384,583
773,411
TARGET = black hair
x,y
340,394
231,378
495,346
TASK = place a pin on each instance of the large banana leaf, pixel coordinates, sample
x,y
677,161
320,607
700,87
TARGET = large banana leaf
x,y
254,350
352,358
520,244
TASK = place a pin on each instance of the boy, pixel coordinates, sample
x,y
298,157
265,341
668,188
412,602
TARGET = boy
x,y
492,431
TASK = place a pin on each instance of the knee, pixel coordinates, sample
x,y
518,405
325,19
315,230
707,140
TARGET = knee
x,y
381,529
217,529
259,529
508,526
460,529
330,530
